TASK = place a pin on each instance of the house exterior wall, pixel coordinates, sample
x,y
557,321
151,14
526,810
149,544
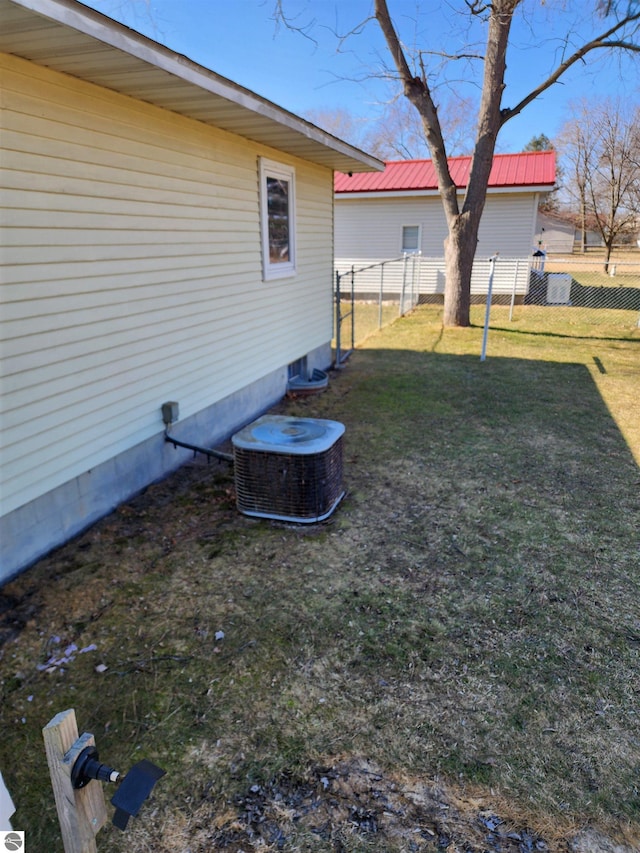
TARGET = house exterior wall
x,y
555,235
131,275
371,228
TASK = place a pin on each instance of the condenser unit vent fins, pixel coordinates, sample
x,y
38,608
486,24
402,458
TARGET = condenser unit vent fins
x,y
289,469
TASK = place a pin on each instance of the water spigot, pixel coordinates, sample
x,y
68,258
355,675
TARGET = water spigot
x,y
133,789
87,767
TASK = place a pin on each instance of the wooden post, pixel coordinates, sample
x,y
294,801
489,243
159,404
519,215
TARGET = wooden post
x,y
82,811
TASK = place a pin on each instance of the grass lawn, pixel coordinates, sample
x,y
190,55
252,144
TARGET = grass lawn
x,y
452,662
588,269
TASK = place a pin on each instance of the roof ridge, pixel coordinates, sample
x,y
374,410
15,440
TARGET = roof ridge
x,y
546,151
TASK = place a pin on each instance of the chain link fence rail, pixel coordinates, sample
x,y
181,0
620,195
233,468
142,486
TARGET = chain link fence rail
x,y
575,294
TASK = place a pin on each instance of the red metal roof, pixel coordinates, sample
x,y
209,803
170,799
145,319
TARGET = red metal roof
x,y
527,169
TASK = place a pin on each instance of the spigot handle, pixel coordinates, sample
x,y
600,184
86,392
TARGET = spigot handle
x,y
134,790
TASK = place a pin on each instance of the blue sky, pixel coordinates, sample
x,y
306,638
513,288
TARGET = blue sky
x,y
240,40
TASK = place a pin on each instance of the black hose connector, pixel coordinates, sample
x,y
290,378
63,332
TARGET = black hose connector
x,y
87,767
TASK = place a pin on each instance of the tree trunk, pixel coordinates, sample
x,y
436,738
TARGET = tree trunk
x,y
459,252
461,244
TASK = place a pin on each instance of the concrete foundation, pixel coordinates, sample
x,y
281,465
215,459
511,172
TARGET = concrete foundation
x,y
32,530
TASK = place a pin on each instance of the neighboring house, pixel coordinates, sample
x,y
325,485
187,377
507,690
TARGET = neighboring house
x,y
167,236
398,211
555,233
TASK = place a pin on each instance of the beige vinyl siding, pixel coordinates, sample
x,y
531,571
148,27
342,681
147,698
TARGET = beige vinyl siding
x,y
371,228
131,273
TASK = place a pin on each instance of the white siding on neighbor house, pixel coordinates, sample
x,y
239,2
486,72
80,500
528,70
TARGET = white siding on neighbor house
x,y
131,273
369,229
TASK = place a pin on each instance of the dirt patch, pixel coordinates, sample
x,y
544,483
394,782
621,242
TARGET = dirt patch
x,y
350,804
354,798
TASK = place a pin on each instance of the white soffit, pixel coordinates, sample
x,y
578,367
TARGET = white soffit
x,y
67,36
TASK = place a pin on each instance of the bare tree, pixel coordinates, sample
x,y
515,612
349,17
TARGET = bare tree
x,y
420,71
398,133
395,131
615,177
635,190
577,145
463,218
341,123
601,143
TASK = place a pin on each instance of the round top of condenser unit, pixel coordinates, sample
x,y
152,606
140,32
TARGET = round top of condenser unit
x,y
282,434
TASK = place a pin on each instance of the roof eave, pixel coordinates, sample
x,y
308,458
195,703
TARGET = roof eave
x,y
536,188
270,124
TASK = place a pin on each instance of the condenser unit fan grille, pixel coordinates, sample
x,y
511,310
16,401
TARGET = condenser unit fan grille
x,y
289,468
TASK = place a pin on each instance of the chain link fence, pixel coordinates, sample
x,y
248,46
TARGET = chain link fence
x,y
370,296
584,291
574,295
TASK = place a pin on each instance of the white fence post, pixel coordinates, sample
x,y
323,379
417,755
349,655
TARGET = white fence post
x,y
404,283
513,289
492,264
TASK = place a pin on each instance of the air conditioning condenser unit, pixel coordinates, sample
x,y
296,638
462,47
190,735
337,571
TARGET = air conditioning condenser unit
x,y
288,468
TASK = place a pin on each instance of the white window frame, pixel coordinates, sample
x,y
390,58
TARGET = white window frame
x,y
415,251
278,171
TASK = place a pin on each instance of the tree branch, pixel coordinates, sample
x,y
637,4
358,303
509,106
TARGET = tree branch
x,y
599,42
280,18
476,7
417,90
444,55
